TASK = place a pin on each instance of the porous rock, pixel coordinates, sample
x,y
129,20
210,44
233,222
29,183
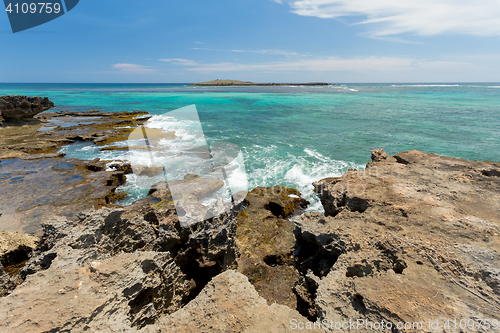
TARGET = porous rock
x,y
229,303
266,242
413,238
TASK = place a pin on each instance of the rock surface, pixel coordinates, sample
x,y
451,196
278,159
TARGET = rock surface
x,y
229,303
14,108
63,187
15,250
413,238
55,129
266,242
115,270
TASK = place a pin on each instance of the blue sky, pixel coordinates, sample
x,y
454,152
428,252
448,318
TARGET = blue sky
x,y
338,41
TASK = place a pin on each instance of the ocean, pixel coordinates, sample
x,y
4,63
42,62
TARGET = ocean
x,y
295,135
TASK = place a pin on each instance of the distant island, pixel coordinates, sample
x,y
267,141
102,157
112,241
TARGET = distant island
x,y
228,83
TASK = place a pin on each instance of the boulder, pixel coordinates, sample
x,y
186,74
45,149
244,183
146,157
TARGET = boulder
x,y
15,250
18,107
16,247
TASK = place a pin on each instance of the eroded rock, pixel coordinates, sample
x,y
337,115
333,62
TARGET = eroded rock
x,y
229,303
413,238
266,242
14,108
117,270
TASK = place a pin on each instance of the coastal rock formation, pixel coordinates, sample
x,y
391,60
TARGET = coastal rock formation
x,y
266,242
36,188
229,303
116,270
15,107
61,128
15,250
413,238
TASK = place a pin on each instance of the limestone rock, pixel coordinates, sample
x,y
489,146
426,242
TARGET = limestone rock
x,y
229,303
378,155
14,246
413,238
116,270
266,242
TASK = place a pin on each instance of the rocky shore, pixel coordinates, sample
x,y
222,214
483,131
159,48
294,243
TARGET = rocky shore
x,y
16,108
413,238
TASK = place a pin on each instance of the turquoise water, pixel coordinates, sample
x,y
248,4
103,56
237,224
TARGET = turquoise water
x,y
295,135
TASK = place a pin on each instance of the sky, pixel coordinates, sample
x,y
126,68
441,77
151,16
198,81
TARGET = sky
x,y
336,41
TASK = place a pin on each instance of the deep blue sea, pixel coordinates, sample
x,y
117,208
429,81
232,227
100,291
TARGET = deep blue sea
x,y
295,135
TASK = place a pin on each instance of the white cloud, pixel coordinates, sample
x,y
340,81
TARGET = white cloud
x,y
133,69
422,17
271,52
182,62
330,64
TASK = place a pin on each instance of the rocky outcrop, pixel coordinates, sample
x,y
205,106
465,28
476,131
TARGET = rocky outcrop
x,y
266,242
19,107
54,130
229,303
15,250
236,83
116,270
412,238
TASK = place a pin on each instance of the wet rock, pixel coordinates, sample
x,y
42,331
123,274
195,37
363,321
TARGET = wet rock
x,y
52,130
95,165
63,187
191,185
187,194
14,107
151,171
266,242
413,238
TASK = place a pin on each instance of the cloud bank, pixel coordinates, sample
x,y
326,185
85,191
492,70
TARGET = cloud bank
x,y
422,17
329,64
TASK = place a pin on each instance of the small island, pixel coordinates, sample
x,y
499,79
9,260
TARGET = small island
x,y
236,83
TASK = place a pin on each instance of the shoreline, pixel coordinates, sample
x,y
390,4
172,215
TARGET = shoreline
x,y
380,251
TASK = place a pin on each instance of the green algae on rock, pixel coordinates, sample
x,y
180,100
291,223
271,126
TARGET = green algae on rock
x,y
266,242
